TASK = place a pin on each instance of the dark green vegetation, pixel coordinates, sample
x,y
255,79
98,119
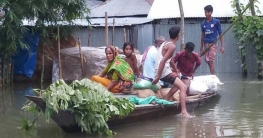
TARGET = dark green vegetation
x,y
45,15
249,33
90,102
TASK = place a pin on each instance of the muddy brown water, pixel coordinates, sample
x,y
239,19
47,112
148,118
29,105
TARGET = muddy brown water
x,y
237,112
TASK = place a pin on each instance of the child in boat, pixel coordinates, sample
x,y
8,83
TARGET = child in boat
x,y
130,57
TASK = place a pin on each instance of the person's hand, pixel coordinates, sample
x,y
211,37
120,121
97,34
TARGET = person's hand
x,y
156,79
222,49
177,71
138,79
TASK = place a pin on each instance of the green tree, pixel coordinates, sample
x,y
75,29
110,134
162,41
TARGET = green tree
x,y
46,16
249,33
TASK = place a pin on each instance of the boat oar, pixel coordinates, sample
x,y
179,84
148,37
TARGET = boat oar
x,y
239,17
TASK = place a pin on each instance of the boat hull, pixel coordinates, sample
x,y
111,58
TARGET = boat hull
x,y
66,120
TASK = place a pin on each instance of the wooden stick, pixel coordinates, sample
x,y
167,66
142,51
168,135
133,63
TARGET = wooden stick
x,y
43,67
3,77
81,58
124,34
89,37
106,29
113,31
239,17
59,60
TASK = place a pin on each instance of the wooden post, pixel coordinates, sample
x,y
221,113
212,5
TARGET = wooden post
x,y
113,31
43,66
89,37
81,58
59,60
106,29
182,24
124,34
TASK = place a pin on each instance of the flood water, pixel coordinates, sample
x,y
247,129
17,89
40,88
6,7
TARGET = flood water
x,y
237,112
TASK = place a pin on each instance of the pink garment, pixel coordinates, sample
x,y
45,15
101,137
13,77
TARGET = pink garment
x,y
211,53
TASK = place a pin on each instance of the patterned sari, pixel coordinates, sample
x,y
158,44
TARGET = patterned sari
x,y
125,74
117,70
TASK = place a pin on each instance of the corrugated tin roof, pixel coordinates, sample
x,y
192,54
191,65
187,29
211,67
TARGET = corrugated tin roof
x,y
127,21
192,8
115,8
92,3
120,21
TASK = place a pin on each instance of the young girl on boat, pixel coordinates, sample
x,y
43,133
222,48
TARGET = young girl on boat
x,y
130,57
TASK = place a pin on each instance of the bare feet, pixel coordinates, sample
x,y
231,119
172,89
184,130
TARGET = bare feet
x,y
186,115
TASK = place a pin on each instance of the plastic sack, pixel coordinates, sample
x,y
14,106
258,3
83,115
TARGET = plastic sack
x,y
211,81
144,84
197,86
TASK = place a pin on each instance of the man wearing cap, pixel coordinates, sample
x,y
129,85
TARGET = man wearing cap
x,y
187,62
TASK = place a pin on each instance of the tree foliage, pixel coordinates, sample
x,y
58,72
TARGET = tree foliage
x,y
90,102
249,31
42,13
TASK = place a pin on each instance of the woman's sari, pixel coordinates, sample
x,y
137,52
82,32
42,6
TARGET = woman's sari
x,y
125,74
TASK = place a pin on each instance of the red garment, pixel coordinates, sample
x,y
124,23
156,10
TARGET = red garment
x,y
186,64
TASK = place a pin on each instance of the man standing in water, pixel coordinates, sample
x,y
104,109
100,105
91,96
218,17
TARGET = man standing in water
x,y
211,28
164,71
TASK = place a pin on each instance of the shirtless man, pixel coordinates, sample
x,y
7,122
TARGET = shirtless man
x,y
164,71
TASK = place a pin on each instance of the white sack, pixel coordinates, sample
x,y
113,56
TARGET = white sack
x,y
211,81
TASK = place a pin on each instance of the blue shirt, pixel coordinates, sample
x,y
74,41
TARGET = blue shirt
x,y
211,30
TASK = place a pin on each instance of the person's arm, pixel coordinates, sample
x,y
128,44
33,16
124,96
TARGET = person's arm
x,y
136,69
173,61
197,64
222,49
202,39
114,80
167,55
104,71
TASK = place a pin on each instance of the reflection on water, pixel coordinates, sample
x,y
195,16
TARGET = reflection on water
x,y
237,112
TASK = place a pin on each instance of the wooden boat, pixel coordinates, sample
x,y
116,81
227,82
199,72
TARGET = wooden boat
x,y
67,123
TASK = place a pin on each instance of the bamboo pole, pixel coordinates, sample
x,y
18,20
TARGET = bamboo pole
x,y
81,58
89,37
43,67
182,24
239,17
113,31
124,34
8,70
106,29
59,60
3,77
1,71
12,73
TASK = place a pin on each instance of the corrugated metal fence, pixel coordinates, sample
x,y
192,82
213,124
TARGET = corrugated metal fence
x,y
143,36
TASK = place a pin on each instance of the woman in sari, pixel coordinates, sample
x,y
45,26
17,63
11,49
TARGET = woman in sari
x,y
117,76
